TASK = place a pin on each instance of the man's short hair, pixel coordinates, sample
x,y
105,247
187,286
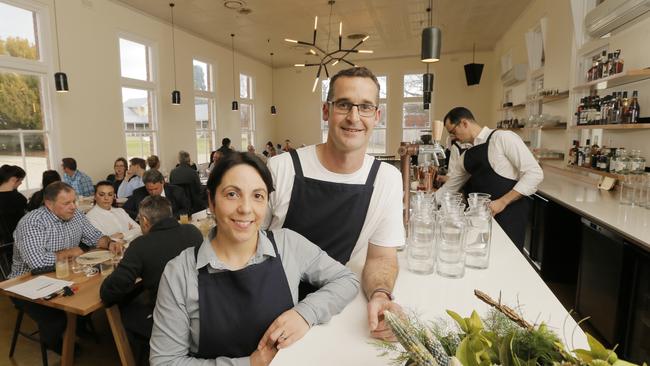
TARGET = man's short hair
x,y
225,141
139,162
184,157
153,161
455,115
155,209
152,176
69,163
53,189
353,72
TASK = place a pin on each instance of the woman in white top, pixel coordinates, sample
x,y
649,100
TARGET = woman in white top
x,y
111,221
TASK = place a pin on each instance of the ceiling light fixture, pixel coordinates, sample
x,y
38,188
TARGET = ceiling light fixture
x,y
274,110
327,57
473,71
431,40
235,104
60,78
176,95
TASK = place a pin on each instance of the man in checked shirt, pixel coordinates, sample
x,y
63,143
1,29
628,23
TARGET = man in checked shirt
x,y
46,234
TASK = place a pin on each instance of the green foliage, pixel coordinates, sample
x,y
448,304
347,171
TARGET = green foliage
x,y
18,47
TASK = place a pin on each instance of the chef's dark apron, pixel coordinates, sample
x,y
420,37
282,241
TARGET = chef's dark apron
x,y
237,307
329,214
484,179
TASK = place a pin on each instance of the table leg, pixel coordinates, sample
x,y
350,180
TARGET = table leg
x,y
67,355
121,340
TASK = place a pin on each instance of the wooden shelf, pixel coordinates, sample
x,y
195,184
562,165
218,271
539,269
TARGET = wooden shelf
x,y
514,107
554,128
622,78
594,171
551,98
624,126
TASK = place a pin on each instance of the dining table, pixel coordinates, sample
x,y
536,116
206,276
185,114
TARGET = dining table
x,y
85,301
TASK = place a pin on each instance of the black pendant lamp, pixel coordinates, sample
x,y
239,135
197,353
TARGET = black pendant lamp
x,y
473,71
60,78
431,40
427,88
235,104
176,95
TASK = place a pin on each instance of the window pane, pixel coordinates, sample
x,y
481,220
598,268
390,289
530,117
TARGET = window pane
x,y
413,85
201,76
35,156
244,87
139,144
133,60
377,143
383,92
415,116
325,86
412,135
202,113
324,135
244,140
245,116
18,32
382,116
203,147
136,105
20,102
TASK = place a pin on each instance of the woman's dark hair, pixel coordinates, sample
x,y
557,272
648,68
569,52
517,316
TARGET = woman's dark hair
x,y
9,171
50,176
126,164
238,158
104,183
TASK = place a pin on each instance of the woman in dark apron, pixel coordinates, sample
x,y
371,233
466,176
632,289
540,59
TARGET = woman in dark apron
x,y
236,295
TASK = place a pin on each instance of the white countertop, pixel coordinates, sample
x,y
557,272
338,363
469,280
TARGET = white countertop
x,y
345,339
603,206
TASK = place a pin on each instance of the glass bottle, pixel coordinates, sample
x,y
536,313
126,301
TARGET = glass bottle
x,y
587,153
625,105
634,109
638,162
623,163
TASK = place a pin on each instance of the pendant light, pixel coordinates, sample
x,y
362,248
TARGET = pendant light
x,y
274,110
60,78
431,40
235,105
473,71
176,95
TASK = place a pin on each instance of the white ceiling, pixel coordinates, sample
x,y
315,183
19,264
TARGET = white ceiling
x,y
394,26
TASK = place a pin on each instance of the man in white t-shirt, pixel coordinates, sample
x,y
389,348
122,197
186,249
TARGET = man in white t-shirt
x,y
342,199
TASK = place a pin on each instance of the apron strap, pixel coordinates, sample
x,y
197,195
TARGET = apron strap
x,y
269,234
370,181
296,163
490,136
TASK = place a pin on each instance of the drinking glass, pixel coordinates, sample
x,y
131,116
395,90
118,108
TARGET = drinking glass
x,y
185,219
106,267
62,268
450,258
420,252
75,266
476,198
479,235
627,191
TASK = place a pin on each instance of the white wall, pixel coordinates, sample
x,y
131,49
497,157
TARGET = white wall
x,y
89,118
299,109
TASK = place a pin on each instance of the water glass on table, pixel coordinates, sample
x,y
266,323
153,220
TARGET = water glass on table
x,y
420,252
62,267
450,258
478,237
106,267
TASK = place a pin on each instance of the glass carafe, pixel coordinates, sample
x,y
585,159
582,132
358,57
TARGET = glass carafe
x,y
420,252
450,256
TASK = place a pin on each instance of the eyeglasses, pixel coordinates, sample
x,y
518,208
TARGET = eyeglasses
x,y
344,107
453,130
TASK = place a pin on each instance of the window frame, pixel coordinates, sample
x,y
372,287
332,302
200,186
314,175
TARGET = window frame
x,y
42,68
410,100
377,128
211,96
150,86
250,101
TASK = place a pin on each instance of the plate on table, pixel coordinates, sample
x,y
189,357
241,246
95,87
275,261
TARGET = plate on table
x,y
94,257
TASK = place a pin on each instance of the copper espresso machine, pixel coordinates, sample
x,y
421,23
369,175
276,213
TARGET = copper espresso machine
x,y
430,156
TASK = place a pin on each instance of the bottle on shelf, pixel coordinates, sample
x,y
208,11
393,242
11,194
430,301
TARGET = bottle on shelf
x,y
595,154
618,62
625,105
613,160
623,163
586,150
634,109
603,159
638,163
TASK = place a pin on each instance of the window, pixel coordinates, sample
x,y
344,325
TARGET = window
x,y
324,127
414,117
138,99
24,76
246,111
204,110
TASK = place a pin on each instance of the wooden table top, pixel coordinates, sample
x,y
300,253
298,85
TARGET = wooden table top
x,y
83,302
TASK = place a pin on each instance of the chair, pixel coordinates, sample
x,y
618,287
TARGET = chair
x,y
6,255
30,336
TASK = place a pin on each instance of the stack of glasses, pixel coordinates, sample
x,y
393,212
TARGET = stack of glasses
x,y
446,236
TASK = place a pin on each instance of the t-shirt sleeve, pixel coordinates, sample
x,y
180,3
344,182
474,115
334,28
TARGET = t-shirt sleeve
x,y
390,230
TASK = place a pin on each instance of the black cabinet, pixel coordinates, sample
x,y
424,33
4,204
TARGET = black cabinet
x,y
605,278
637,345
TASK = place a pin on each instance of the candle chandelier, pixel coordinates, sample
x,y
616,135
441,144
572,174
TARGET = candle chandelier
x,y
327,57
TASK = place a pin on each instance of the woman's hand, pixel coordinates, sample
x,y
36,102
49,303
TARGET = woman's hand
x,y
264,356
284,331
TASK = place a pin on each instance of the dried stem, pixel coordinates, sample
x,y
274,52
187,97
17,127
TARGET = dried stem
x,y
507,311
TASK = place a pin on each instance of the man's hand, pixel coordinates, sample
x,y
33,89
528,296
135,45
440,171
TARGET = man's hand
x,y
497,206
116,247
264,356
284,331
69,253
118,235
376,306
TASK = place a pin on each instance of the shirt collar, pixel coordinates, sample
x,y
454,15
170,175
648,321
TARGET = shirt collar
x,y
53,217
207,255
482,136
